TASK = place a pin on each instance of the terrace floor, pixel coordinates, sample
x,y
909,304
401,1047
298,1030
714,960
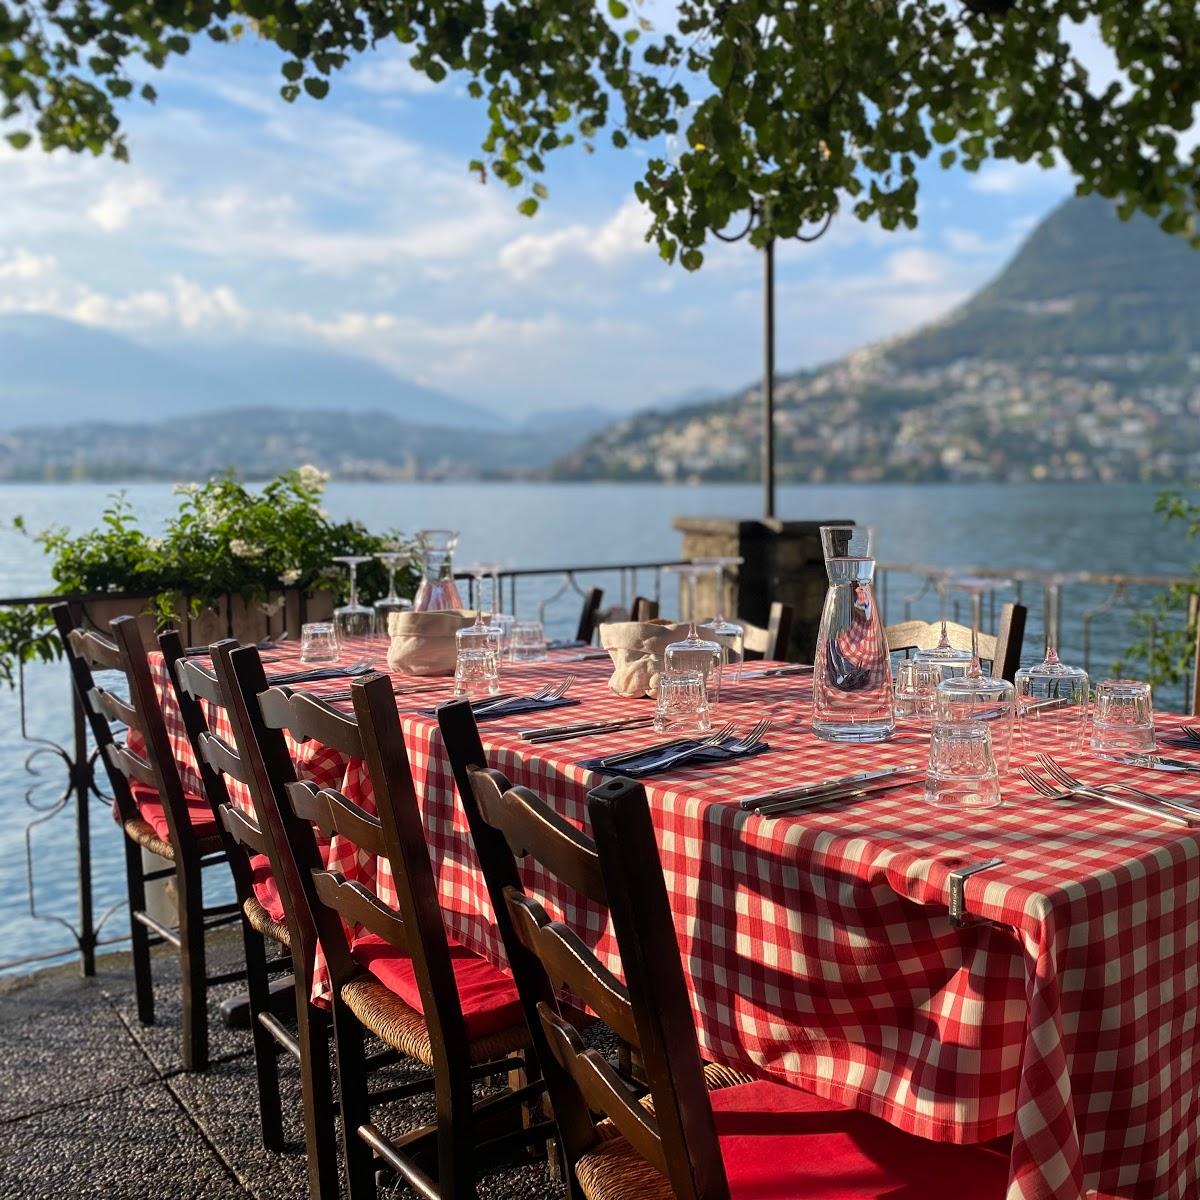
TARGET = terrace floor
x,y
92,1103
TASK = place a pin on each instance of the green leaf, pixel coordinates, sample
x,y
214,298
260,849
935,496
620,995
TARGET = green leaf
x,y
528,207
18,141
317,88
618,10
293,69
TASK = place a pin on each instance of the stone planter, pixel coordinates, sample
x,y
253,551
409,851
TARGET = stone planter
x,y
282,612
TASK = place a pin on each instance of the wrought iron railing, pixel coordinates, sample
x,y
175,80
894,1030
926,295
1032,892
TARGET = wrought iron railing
x,y
1098,620
61,780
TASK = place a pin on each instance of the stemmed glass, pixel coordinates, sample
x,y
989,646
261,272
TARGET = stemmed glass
x,y
730,636
353,620
480,637
391,603
950,660
975,696
1052,693
693,653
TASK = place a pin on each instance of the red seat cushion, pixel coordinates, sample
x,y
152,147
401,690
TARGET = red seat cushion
x,y
780,1143
262,879
204,824
487,994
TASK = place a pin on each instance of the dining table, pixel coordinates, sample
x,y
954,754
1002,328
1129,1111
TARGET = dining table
x,y
1060,1014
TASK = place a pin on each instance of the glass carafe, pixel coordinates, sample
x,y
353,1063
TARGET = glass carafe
x,y
852,674
437,590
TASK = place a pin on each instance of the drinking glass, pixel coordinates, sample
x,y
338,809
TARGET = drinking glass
x,y
729,635
318,642
1123,721
391,603
975,696
962,769
682,705
693,653
1052,698
952,661
353,620
527,642
916,689
477,668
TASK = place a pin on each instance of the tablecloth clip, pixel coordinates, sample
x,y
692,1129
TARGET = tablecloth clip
x,y
958,908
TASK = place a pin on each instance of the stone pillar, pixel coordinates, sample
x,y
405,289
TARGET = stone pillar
x,y
783,561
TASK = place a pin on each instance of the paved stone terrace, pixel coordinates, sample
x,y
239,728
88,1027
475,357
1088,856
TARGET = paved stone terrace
x,y
92,1103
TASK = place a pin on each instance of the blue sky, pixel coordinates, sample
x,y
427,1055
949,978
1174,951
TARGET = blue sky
x,y
353,223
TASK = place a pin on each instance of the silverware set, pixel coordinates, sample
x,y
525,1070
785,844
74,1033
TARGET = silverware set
x,y
845,787
550,691
1062,785
685,747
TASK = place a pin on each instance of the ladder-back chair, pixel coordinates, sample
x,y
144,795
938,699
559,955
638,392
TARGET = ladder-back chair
x,y
699,1135
400,977
264,921
589,615
155,814
1002,649
773,642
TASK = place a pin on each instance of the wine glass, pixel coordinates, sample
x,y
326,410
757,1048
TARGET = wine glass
x,y
481,636
353,620
693,653
948,659
1051,693
391,603
729,635
975,696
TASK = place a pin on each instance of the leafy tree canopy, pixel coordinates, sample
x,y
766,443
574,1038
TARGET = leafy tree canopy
x,y
797,108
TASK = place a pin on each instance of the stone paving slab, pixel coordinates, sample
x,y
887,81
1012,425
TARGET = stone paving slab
x,y
92,1103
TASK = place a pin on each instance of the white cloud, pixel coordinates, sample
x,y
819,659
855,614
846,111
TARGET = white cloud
x,y
914,266
118,202
620,237
21,264
969,242
182,304
391,73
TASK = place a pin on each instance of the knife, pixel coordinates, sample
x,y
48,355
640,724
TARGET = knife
x,y
798,669
753,803
781,807
562,733
1152,762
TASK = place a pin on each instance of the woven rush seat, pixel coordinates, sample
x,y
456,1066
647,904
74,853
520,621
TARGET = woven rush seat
x,y
780,1142
262,921
403,1027
146,835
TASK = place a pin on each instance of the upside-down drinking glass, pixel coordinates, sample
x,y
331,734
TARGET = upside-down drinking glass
x,y
976,696
729,635
694,654
353,620
962,768
1052,697
682,704
1123,722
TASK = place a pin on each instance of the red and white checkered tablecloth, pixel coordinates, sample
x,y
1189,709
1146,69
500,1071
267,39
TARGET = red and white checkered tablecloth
x,y
818,949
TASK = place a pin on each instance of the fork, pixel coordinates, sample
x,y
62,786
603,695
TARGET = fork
x,y
1191,732
712,740
1044,788
755,736
1068,780
549,691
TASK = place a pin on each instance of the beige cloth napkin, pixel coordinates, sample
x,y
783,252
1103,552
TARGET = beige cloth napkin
x,y
636,649
423,642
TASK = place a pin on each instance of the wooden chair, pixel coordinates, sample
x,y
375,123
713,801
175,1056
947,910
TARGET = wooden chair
x,y
155,813
260,759
774,642
699,1135
589,615
1002,649
400,977
1194,620
263,919
643,609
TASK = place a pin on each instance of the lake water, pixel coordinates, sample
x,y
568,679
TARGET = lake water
x,y
1072,527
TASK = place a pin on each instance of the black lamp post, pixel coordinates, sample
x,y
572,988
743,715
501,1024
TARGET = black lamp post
x,y
768,414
